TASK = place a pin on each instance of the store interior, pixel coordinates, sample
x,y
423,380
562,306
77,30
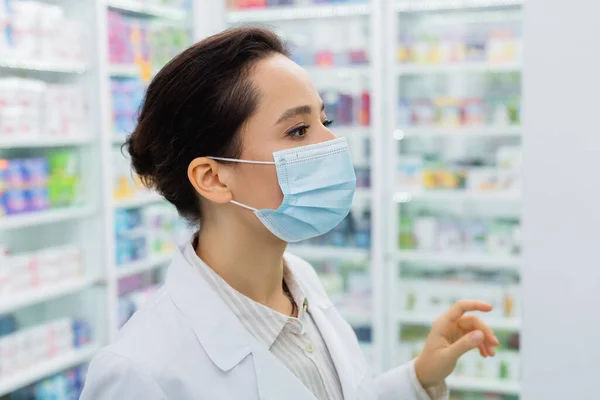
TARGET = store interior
x,y
428,94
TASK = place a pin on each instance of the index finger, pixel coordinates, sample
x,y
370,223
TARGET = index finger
x,y
462,306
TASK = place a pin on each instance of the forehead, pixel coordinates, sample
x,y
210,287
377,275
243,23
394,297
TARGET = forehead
x,y
283,84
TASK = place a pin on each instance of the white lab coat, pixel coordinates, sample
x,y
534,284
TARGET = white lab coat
x,y
188,345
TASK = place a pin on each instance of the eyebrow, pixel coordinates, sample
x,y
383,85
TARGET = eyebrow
x,y
295,111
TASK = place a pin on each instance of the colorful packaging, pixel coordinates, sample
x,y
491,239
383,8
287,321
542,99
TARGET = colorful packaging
x,y
64,178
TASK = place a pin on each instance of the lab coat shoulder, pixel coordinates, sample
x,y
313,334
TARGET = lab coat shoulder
x,y
136,364
118,377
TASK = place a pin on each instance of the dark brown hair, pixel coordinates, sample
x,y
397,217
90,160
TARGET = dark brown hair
x,y
196,106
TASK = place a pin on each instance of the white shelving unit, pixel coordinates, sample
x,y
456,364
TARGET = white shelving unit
x,y
43,294
139,200
322,253
124,70
431,5
43,66
44,141
419,69
457,132
483,260
463,196
90,223
458,201
147,10
110,140
45,217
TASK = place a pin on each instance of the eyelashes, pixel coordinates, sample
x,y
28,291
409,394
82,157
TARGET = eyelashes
x,y
301,131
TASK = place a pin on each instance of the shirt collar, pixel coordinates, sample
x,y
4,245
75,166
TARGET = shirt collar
x,y
264,323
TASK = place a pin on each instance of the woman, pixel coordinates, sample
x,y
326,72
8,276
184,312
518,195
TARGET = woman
x,y
235,135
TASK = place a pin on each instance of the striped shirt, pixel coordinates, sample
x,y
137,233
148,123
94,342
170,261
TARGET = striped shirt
x,y
296,342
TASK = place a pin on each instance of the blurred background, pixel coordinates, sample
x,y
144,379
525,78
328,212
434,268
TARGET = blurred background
x,y
428,93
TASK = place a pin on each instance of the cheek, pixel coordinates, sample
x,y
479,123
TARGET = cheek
x,y
257,186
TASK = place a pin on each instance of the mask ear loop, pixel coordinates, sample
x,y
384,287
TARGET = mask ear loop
x,y
242,161
237,203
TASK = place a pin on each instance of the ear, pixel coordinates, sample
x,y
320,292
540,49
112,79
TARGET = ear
x,y
203,174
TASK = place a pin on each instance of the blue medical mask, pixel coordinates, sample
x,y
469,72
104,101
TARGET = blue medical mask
x,y
318,185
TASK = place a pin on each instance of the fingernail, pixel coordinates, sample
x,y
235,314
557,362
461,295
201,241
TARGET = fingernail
x,y
477,336
496,340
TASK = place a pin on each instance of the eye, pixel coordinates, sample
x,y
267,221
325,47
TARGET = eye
x,y
327,123
298,132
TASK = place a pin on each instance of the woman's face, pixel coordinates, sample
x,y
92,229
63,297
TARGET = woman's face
x,y
290,114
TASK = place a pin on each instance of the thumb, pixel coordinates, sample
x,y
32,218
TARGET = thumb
x,y
468,342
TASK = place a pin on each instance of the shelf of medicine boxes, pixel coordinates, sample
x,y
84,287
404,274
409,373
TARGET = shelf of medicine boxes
x,y
495,386
293,13
436,132
147,10
60,67
434,5
47,368
425,319
38,218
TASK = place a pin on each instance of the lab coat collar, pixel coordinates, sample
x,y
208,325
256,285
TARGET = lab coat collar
x,y
227,343
221,334
217,328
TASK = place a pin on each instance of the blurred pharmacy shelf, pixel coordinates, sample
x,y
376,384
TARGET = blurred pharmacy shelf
x,y
424,319
140,200
339,72
139,266
466,67
433,5
118,139
491,196
351,131
124,70
458,132
362,194
488,261
318,253
147,10
43,141
293,13
358,319
483,385
47,368
44,66
412,23
44,217
13,302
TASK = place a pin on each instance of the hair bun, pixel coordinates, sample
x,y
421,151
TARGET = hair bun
x,y
141,159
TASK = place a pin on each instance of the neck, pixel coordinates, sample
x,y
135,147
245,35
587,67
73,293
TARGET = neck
x,y
251,263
